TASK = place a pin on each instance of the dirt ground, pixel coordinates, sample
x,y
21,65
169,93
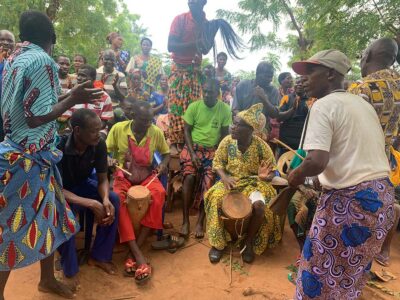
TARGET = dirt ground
x,y
187,274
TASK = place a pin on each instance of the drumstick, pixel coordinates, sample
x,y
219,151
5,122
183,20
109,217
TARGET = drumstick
x,y
288,147
123,170
154,178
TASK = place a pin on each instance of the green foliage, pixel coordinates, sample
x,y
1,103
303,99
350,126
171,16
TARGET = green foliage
x,y
274,60
81,25
243,75
347,25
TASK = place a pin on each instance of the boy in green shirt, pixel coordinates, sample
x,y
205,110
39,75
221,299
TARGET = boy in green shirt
x,y
206,124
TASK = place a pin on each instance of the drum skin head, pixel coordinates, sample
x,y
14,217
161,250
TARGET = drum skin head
x,y
235,206
138,191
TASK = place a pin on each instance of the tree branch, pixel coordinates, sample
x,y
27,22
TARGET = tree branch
x,y
303,42
390,27
293,19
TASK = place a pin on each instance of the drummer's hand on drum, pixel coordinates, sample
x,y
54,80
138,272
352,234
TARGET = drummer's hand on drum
x,y
265,171
229,182
110,213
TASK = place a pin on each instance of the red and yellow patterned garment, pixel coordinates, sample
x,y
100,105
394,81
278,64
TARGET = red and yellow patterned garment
x,y
121,140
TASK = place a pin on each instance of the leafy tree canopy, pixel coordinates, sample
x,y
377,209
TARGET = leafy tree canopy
x,y
81,25
347,25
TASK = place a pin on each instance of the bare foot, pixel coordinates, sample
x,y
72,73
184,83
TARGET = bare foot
x,y
107,267
185,230
56,287
199,231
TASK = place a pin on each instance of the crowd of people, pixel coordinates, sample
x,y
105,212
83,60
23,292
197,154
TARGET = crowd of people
x,y
76,139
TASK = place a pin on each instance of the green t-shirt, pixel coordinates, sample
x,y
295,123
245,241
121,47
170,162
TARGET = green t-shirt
x,y
207,122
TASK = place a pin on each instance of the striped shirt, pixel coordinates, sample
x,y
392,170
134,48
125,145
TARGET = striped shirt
x,y
103,108
30,88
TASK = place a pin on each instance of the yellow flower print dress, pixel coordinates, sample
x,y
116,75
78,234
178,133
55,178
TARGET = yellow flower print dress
x,y
241,166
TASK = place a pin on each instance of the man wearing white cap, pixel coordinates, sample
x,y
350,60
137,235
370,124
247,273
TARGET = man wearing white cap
x,y
355,211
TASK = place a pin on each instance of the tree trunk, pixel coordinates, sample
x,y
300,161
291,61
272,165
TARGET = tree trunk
x,y
302,41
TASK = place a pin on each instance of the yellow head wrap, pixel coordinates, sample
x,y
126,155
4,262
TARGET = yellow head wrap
x,y
254,116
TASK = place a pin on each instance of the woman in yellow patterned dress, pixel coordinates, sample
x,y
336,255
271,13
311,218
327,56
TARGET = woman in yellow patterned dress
x,y
237,162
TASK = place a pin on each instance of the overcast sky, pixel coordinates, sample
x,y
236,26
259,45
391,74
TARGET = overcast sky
x,y
157,15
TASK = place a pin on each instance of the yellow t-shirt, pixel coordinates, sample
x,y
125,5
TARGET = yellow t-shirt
x,y
117,141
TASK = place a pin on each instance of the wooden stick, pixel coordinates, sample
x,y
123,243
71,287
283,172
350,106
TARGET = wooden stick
x,y
154,178
123,170
230,262
289,148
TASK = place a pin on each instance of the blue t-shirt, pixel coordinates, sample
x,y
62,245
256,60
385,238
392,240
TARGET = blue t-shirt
x,y
157,99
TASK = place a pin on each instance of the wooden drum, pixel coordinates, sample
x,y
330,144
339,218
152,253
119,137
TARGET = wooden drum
x,y
138,199
236,209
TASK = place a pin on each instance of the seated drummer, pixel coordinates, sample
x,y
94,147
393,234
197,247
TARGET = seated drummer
x,y
84,151
141,139
237,162
206,124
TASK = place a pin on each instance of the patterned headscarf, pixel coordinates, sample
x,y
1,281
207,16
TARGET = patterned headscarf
x,y
254,117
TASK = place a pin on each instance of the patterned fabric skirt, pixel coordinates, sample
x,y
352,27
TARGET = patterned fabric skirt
x,y
269,233
34,216
348,230
184,88
205,175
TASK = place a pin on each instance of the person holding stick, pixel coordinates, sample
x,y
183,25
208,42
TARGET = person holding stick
x,y
132,143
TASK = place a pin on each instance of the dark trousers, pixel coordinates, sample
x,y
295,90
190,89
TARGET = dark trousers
x,y
105,235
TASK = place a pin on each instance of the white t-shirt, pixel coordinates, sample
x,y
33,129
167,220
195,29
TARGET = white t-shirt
x,y
348,128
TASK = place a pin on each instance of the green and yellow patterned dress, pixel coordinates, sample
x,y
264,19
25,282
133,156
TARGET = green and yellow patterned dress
x,y
243,167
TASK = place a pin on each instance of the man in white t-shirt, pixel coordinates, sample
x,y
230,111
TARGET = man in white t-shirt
x,y
346,149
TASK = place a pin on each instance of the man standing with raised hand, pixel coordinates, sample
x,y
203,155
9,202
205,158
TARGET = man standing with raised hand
x,y
34,216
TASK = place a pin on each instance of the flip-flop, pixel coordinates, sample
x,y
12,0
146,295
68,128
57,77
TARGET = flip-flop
x,y
130,264
384,276
248,255
170,242
143,269
215,255
383,261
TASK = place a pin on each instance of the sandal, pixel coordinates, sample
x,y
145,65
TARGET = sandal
x,y
248,255
382,260
143,273
215,255
170,242
130,264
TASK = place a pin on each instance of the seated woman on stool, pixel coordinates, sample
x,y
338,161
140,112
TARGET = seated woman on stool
x,y
237,162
